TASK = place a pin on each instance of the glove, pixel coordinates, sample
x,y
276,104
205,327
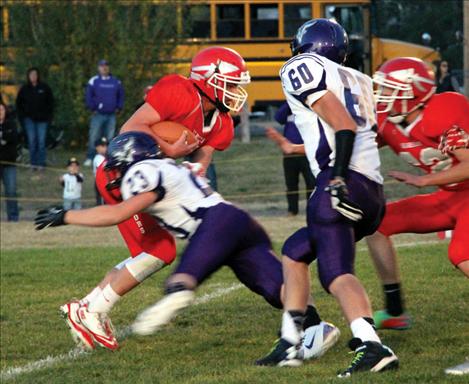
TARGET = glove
x,y
341,203
50,217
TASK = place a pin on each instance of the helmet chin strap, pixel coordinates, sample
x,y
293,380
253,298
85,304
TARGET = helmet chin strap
x,y
216,103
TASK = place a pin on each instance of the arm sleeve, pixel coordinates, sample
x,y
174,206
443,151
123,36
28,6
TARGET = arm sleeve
x,y
10,134
305,79
282,113
89,96
80,177
169,97
20,103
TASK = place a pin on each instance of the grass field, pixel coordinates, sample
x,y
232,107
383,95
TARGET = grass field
x,y
217,340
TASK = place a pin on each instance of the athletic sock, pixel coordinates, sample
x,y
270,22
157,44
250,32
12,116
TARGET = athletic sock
x,y
292,324
104,302
90,296
363,329
311,317
394,302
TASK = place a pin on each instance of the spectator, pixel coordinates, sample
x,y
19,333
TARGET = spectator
x,y
8,142
35,105
72,182
445,81
101,148
293,164
105,98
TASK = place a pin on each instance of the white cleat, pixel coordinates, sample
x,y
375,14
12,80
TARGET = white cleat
x,y
99,326
459,370
162,312
80,334
317,340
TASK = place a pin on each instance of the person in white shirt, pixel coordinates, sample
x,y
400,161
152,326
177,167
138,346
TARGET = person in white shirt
x,y
72,183
101,148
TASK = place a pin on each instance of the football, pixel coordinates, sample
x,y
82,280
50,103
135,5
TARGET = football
x,y
171,131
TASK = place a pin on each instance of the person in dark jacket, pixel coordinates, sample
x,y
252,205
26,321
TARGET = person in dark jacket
x,y
8,143
35,106
293,164
104,98
445,80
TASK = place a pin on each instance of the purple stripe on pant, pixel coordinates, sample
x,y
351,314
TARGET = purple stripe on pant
x,y
329,236
229,236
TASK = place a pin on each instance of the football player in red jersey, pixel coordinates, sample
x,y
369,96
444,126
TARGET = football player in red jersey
x,y
431,132
202,103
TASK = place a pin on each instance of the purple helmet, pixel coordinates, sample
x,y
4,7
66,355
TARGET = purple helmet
x,y
322,36
127,149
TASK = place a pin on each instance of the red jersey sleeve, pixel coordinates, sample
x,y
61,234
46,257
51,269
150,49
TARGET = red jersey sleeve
x,y
445,111
222,134
170,97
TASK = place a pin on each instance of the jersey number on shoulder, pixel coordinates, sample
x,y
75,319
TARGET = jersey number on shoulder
x,y
137,182
431,157
298,74
358,98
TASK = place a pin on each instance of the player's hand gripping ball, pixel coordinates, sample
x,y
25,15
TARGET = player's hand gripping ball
x,y
171,131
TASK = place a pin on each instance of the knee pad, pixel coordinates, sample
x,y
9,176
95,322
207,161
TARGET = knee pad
x,y
326,277
143,266
273,298
298,247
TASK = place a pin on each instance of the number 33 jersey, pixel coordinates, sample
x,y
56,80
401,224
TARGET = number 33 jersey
x,y
182,199
305,79
428,142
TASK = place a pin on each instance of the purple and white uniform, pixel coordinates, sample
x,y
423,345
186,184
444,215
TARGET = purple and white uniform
x,y
219,233
329,236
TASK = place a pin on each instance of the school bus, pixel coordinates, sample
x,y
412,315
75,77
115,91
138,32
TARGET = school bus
x,y
261,31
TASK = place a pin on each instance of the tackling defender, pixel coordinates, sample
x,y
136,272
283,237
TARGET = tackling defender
x,y
431,132
218,232
201,103
334,112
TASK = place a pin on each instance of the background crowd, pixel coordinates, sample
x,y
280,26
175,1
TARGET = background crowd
x,y
104,98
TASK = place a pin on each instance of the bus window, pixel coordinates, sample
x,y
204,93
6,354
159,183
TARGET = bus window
x,y
264,20
295,15
199,21
230,20
351,18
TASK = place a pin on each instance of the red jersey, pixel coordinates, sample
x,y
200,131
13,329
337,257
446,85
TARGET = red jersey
x,y
177,99
428,142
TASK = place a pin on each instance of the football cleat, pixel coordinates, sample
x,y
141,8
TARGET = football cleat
x,y
383,320
373,357
162,312
282,354
99,326
461,369
317,340
80,334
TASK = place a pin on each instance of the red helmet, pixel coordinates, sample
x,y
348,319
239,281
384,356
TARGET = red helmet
x,y
404,84
214,69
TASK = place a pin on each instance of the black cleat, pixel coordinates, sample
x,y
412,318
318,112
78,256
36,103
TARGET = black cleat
x,y
373,357
282,354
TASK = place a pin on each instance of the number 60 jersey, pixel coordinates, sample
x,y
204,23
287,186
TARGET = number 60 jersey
x,y
305,79
182,199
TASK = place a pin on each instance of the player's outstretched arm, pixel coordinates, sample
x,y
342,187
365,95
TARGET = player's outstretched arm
x,y
287,147
455,174
101,216
203,155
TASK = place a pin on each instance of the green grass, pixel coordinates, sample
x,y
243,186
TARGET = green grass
x,y
217,342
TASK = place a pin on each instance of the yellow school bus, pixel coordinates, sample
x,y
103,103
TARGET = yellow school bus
x,y
261,31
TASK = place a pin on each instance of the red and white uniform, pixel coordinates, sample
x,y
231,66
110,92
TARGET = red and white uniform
x,y
175,98
428,143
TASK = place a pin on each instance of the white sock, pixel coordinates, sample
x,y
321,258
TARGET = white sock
x,y
289,331
90,296
363,330
104,302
